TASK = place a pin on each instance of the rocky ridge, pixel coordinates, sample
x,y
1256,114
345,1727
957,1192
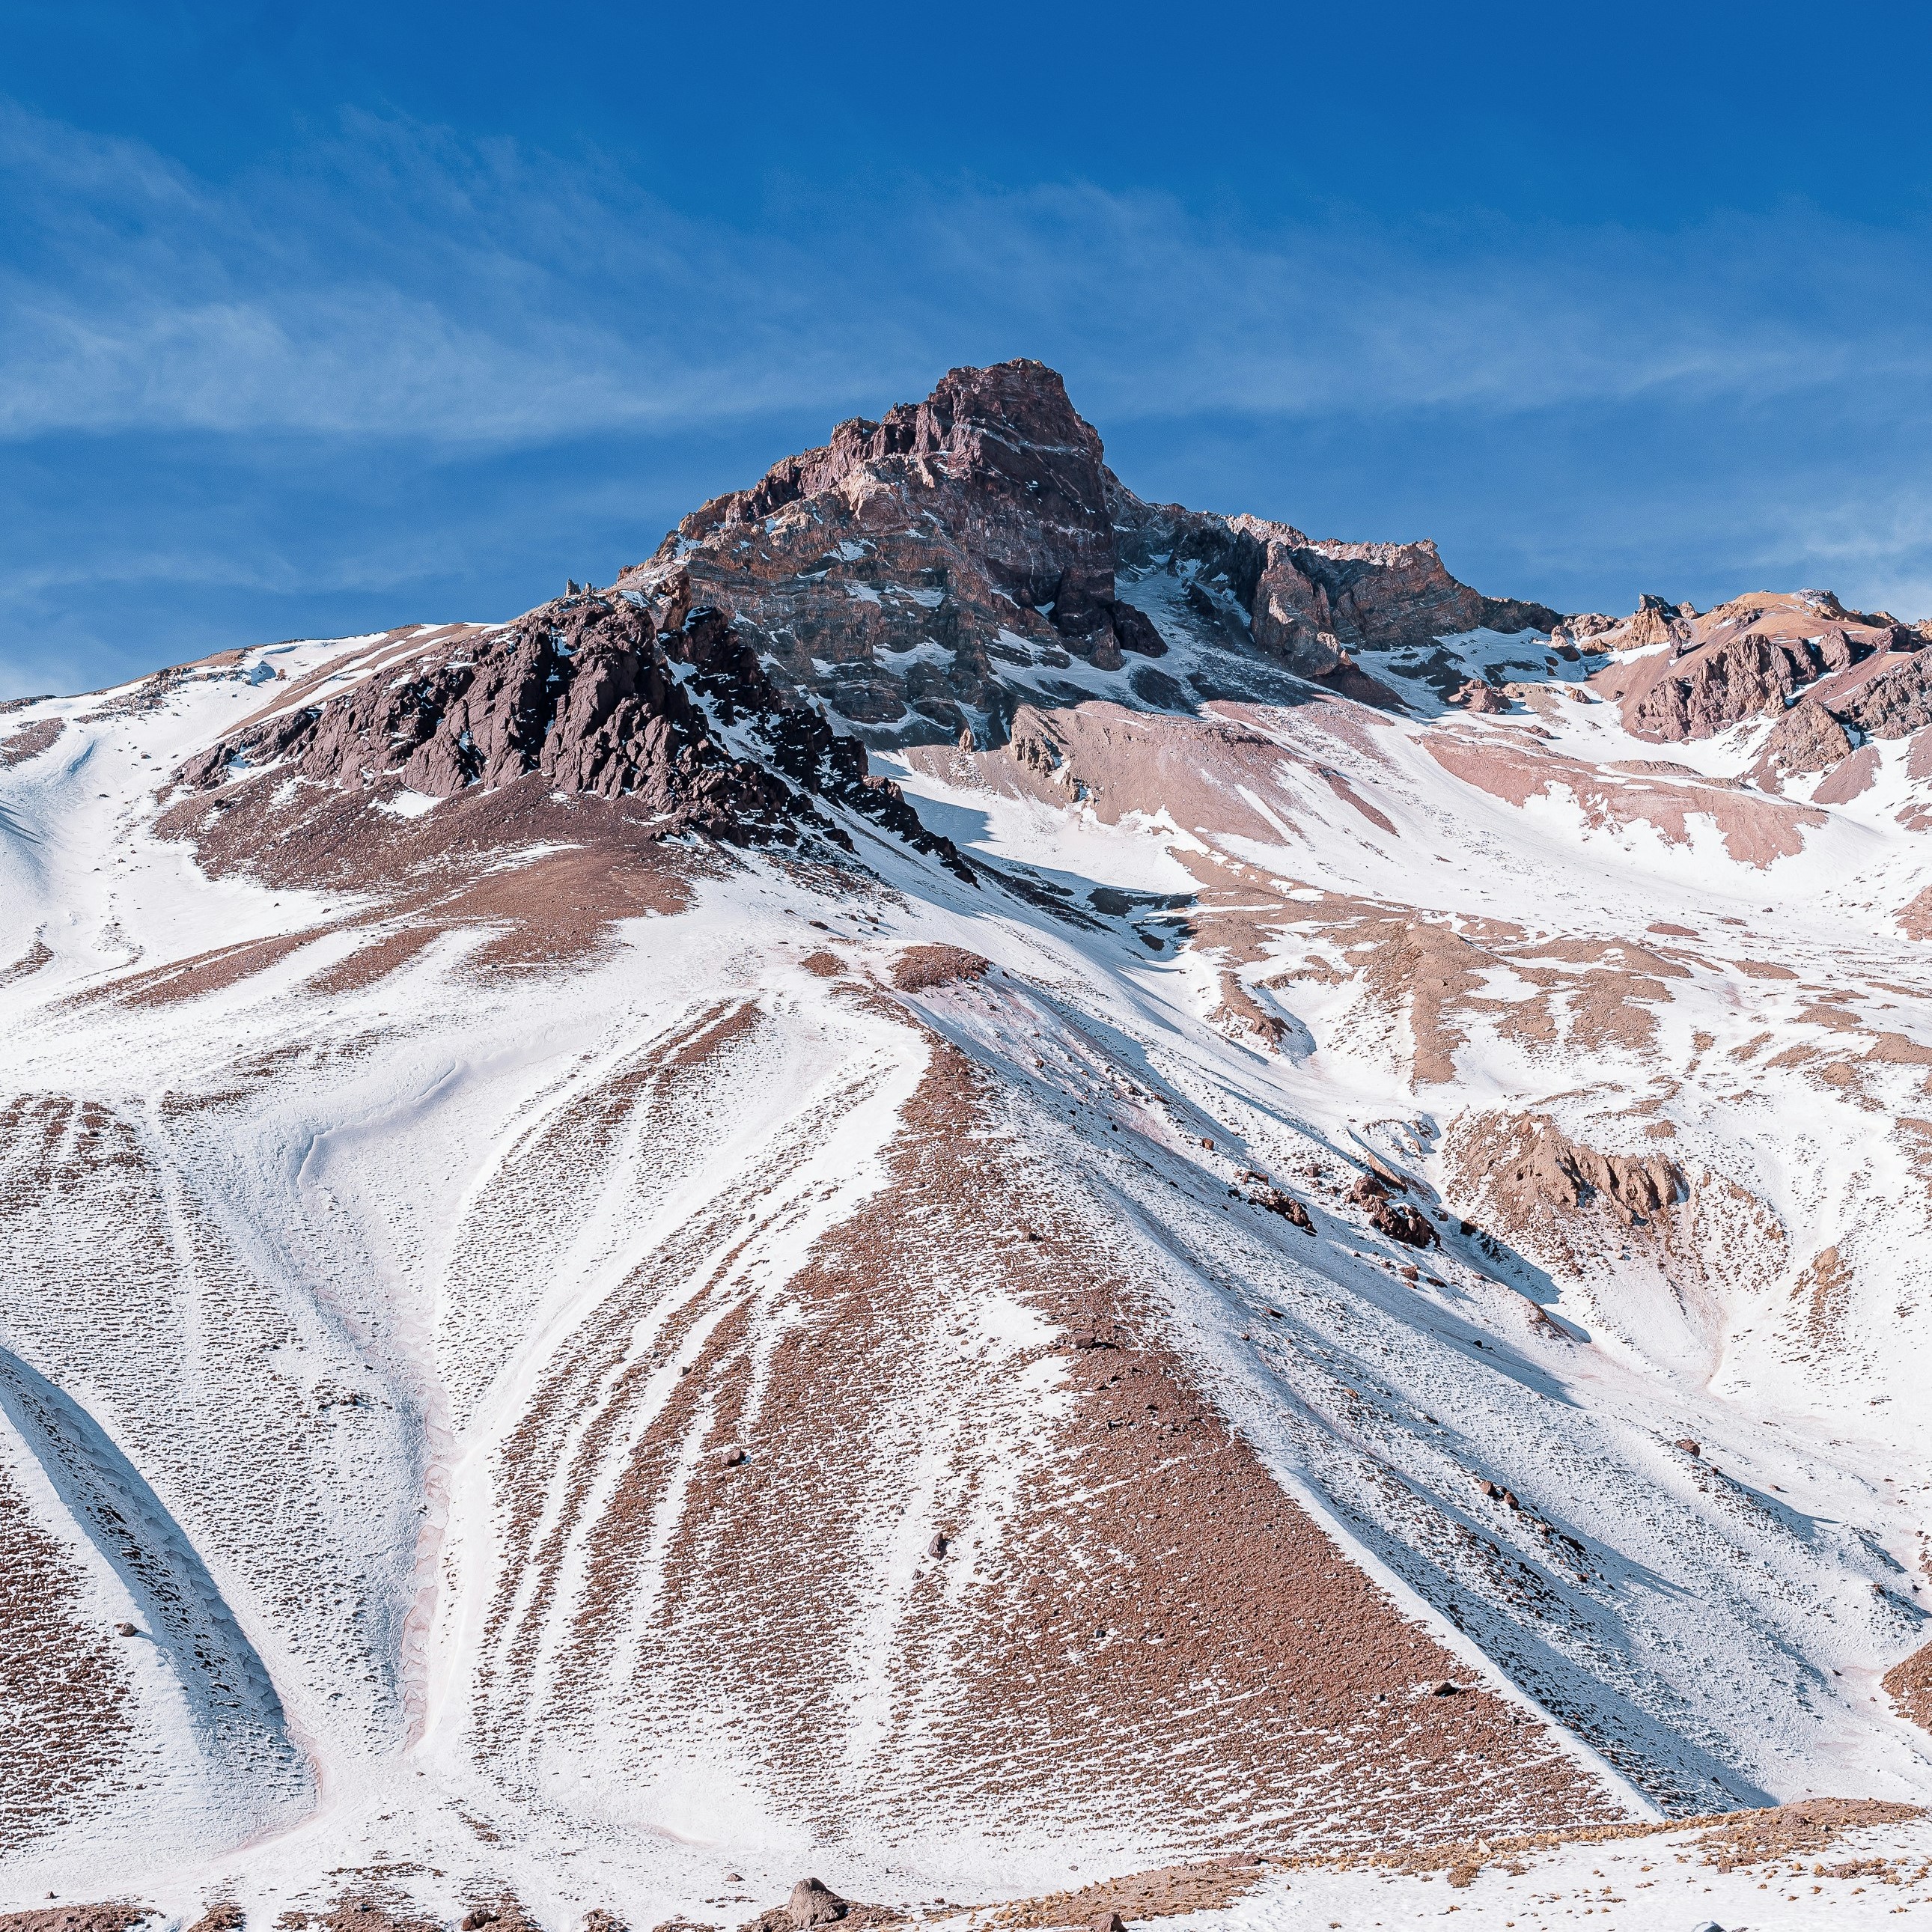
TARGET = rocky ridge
x,y
1761,653
666,707
924,575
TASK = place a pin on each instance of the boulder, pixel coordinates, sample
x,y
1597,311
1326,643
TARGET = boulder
x,y
814,1903
1475,695
1807,738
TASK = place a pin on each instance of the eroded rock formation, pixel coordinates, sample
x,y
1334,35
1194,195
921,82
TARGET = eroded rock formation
x,y
903,572
1534,1169
591,696
1756,654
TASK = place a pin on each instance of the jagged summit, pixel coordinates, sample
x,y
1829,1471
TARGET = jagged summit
x,y
928,574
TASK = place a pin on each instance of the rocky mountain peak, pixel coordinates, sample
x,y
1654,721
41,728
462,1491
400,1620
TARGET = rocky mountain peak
x,y
1009,429
927,574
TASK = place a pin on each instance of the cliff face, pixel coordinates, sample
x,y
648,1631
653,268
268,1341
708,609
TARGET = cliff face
x,y
894,572
1757,654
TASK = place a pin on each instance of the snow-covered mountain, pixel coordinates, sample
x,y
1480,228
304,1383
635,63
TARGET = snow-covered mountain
x,y
975,1186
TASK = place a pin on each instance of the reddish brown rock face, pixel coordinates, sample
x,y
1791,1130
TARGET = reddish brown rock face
x,y
580,693
588,696
971,528
1754,655
901,573
1307,600
1807,738
1476,695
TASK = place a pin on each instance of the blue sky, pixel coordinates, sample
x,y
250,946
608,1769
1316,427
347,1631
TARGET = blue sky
x,y
319,319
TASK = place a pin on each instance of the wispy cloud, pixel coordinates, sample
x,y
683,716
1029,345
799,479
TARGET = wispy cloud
x,y
392,282
396,370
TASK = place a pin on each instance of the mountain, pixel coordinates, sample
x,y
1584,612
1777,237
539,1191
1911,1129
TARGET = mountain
x,y
976,1186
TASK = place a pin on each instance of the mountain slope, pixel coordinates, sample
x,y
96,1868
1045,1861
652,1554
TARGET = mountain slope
x,y
1270,1236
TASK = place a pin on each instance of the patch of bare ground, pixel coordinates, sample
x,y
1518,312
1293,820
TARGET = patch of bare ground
x,y
495,1912
395,945
223,1916
1425,977
112,1917
1915,916
548,880
1731,1840
917,968
1207,771
1910,1685
31,961
363,1912
1532,1168
1756,829
30,741
65,1692
1825,1289
1169,1891
1096,1569
208,972
1796,1830
374,1900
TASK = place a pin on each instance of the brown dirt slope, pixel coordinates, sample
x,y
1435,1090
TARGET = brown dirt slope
x,y
1135,1596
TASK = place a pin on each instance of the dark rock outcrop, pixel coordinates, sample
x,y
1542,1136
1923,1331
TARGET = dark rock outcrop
x,y
1716,685
592,696
1894,702
1401,1222
1395,1219
893,570
1276,1201
924,575
1475,695
1306,602
1807,738
1753,655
